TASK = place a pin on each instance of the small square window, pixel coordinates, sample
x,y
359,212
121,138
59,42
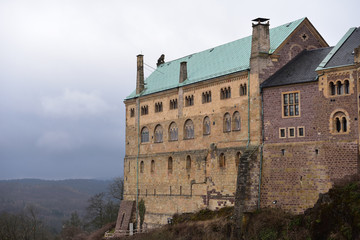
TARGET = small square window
x,y
291,132
301,131
282,133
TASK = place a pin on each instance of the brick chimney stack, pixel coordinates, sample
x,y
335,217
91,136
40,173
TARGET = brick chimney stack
x,y
183,72
260,43
140,74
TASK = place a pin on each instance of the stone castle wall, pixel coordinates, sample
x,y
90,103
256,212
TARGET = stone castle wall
x,y
207,184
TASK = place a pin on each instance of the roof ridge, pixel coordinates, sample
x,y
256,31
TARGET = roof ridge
x,y
224,59
328,57
220,45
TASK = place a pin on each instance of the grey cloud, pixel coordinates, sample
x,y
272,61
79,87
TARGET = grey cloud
x,y
75,104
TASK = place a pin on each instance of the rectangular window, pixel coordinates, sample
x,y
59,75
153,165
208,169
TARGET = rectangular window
x,y
291,104
132,112
291,132
301,131
282,132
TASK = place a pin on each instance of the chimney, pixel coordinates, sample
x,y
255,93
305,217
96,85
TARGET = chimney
x,y
183,72
140,74
260,43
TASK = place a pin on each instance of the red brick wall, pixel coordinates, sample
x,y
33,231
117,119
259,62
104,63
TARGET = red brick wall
x,y
309,164
315,112
291,48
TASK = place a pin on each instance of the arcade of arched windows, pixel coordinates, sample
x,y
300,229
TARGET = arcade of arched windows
x,y
339,123
339,87
230,123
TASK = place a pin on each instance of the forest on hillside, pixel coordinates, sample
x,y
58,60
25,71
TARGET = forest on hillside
x,y
50,205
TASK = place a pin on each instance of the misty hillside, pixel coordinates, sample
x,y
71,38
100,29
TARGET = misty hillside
x,y
54,201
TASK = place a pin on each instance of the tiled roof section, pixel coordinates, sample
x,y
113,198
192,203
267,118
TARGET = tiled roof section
x,y
218,61
342,54
301,69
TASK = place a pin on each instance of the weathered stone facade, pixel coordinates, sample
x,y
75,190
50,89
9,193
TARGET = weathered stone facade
x,y
223,118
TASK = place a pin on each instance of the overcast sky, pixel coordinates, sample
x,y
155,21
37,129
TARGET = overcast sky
x,y
67,65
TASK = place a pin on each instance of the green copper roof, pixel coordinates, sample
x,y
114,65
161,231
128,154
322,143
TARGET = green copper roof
x,y
322,65
225,59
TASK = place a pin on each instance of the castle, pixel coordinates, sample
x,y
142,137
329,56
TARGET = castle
x,y
269,119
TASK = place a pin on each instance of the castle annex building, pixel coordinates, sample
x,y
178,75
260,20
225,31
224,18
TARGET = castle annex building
x,y
269,118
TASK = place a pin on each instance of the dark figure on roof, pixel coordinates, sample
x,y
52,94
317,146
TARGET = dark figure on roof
x,y
161,60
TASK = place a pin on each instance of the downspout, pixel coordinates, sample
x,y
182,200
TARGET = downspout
x,y
261,146
248,93
137,161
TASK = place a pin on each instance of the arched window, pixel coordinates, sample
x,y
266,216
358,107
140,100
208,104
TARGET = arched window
x,y
173,132
152,169
347,87
236,121
243,90
344,124
170,165
237,160
222,160
158,134
206,126
144,134
188,129
227,122
339,87
332,88
141,166
340,122
188,163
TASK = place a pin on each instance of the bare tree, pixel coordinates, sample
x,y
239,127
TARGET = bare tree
x,y
116,188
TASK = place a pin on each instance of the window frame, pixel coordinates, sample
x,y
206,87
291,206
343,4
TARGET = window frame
x,y
288,104
206,120
158,134
173,124
141,135
280,132
298,131
289,135
189,133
